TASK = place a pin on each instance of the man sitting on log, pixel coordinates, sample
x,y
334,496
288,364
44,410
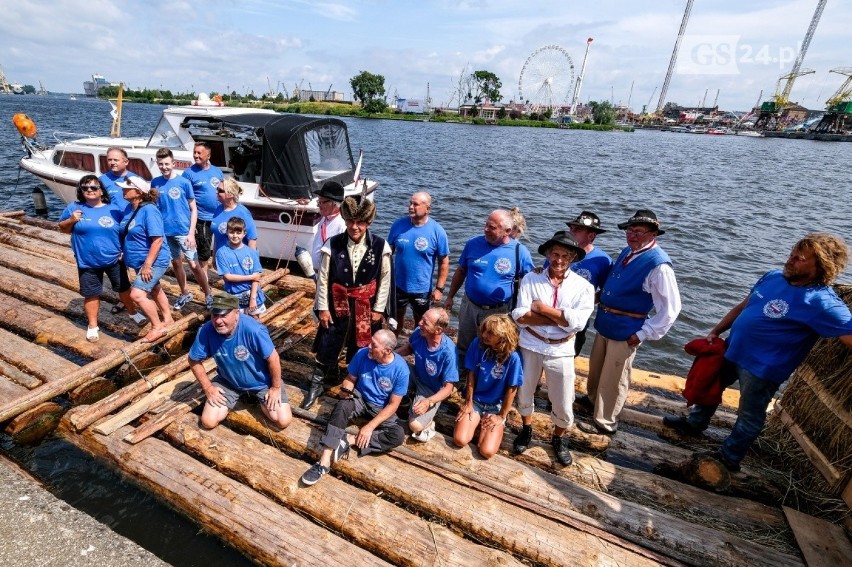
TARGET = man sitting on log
x,y
246,363
377,380
772,331
435,371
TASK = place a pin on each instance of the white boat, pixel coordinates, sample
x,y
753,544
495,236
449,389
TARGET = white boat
x,y
279,160
750,133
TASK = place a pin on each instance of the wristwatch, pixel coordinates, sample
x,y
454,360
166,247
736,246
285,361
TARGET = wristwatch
x,y
431,403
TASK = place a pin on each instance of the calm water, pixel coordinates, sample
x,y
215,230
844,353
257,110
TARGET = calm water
x,y
731,206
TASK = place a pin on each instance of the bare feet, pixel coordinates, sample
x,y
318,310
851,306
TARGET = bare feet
x,y
154,335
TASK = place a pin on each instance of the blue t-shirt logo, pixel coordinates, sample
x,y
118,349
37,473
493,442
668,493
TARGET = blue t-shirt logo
x,y
214,181
776,308
174,193
247,263
241,353
106,222
223,227
502,266
385,384
131,225
498,371
431,368
585,274
421,244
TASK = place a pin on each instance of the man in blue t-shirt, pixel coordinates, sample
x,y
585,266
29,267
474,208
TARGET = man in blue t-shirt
x,y
117,162
490,267
418,243
205,178
595,266
246,363
435,371
772,331
377,380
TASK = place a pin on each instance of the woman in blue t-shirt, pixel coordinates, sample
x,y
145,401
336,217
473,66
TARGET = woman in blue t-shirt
x,y
144,251
494,373
93,223
228,193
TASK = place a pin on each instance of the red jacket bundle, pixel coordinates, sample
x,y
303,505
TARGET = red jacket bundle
x,y
704,381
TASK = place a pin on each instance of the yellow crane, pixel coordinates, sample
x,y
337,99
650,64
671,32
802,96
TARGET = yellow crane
x,y
844,93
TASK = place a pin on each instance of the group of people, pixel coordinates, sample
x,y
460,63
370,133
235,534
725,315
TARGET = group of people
x,y
190,217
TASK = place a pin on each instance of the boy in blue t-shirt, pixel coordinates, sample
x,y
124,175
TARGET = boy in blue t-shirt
x,y
239,266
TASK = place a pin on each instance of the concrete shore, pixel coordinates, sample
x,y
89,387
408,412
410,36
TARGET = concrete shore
x,y
38,529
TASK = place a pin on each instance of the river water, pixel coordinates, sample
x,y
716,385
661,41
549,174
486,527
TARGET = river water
x,y
732,206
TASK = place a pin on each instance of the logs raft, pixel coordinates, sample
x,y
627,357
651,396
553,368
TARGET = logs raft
x,y
135,407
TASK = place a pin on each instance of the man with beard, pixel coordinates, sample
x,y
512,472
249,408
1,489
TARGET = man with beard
x,y
772,331
246,364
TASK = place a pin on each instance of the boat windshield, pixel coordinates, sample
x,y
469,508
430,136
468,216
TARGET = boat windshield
x,y
328,151
164,136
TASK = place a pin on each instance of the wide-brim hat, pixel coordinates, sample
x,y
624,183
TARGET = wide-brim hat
x,y
224,304
134,182
643,216
566,239
358,209
333,191
588,220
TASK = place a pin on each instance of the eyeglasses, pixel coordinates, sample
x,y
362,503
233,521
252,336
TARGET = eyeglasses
x,y
636,231
90,187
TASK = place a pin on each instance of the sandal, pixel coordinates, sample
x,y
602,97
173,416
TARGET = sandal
x,y
117,308
92,334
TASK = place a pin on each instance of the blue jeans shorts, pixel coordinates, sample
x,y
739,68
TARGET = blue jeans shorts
x,y
177,248
156,273
483,409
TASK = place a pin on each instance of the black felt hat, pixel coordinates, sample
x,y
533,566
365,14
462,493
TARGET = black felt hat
x,y
566,239
333,191
644,216
588,220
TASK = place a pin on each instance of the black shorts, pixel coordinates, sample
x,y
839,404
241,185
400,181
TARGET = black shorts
x,y
420,303
203,240
92,279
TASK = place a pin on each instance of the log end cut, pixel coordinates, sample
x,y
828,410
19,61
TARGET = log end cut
x,y
35,424
707,472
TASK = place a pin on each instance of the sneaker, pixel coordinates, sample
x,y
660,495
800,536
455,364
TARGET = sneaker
x,y
560,448
92,334
209,302
313,474
425,435
341,451
139,318
681,425
181,301
522,441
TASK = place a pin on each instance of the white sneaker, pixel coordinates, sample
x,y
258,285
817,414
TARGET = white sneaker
x,y
425,435
182,300
92,334
139,318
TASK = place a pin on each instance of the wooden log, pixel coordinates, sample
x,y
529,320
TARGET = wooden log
x,y
19,377
38,247
48,270
14,214
485,517
33,291
297,283
260,528
35,424
823,544
193,397
87,372
10,391
370,522
707,472
51,236
91,391
39,222
33,359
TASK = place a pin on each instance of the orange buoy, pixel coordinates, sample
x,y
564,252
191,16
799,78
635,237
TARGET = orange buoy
x,y
25,125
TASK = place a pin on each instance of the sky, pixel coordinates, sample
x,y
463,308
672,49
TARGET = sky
x,y
738,48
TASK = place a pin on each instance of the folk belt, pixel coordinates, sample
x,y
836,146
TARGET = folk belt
x,y
558,341
620,312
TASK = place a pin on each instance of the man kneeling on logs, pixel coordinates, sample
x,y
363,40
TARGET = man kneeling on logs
x,y
246,363
377,381
772,331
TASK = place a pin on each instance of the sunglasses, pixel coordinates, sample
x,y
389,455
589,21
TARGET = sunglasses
x,y
220,190
90,188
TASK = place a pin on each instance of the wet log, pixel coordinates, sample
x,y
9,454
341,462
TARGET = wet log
x,y
88,372
51,236
33,291
18,377
48,270
370,522
38,247
35,424
484,516
33,359
91,391
267,532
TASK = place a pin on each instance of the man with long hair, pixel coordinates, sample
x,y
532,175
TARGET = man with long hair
x,y
772,331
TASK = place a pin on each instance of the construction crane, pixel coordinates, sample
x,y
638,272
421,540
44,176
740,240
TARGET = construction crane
x,y
844,93
328,92
644,108
576,98
673,60
838,114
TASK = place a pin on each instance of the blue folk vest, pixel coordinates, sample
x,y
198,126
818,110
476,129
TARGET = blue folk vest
x,y
623,291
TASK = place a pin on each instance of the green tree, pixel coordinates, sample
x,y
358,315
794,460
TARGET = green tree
x,y
369,89
486,86
602,112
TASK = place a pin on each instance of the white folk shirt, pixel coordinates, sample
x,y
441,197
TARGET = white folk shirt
x,y
333,227
356,251
662,285
575,297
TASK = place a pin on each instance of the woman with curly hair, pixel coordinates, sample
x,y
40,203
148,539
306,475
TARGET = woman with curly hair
x,y
494,374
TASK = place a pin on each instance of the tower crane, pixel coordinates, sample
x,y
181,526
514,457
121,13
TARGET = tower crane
x,y
673,60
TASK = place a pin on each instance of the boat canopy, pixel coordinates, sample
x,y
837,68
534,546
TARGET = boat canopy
x,y
298,154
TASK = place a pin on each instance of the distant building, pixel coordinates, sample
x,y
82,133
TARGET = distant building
x,y
318,96
486,109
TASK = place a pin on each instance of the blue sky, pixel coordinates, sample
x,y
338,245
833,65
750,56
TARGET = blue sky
x,y
738,47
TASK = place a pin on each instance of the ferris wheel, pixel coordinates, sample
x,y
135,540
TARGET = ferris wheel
x,y
547,78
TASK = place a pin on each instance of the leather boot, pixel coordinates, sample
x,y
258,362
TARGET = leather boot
x,y
522,441
315,390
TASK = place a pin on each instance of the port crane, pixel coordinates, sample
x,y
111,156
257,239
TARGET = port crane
x,y
838,114
662,102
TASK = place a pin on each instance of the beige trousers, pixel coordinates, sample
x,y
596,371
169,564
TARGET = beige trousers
x,y
609,379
